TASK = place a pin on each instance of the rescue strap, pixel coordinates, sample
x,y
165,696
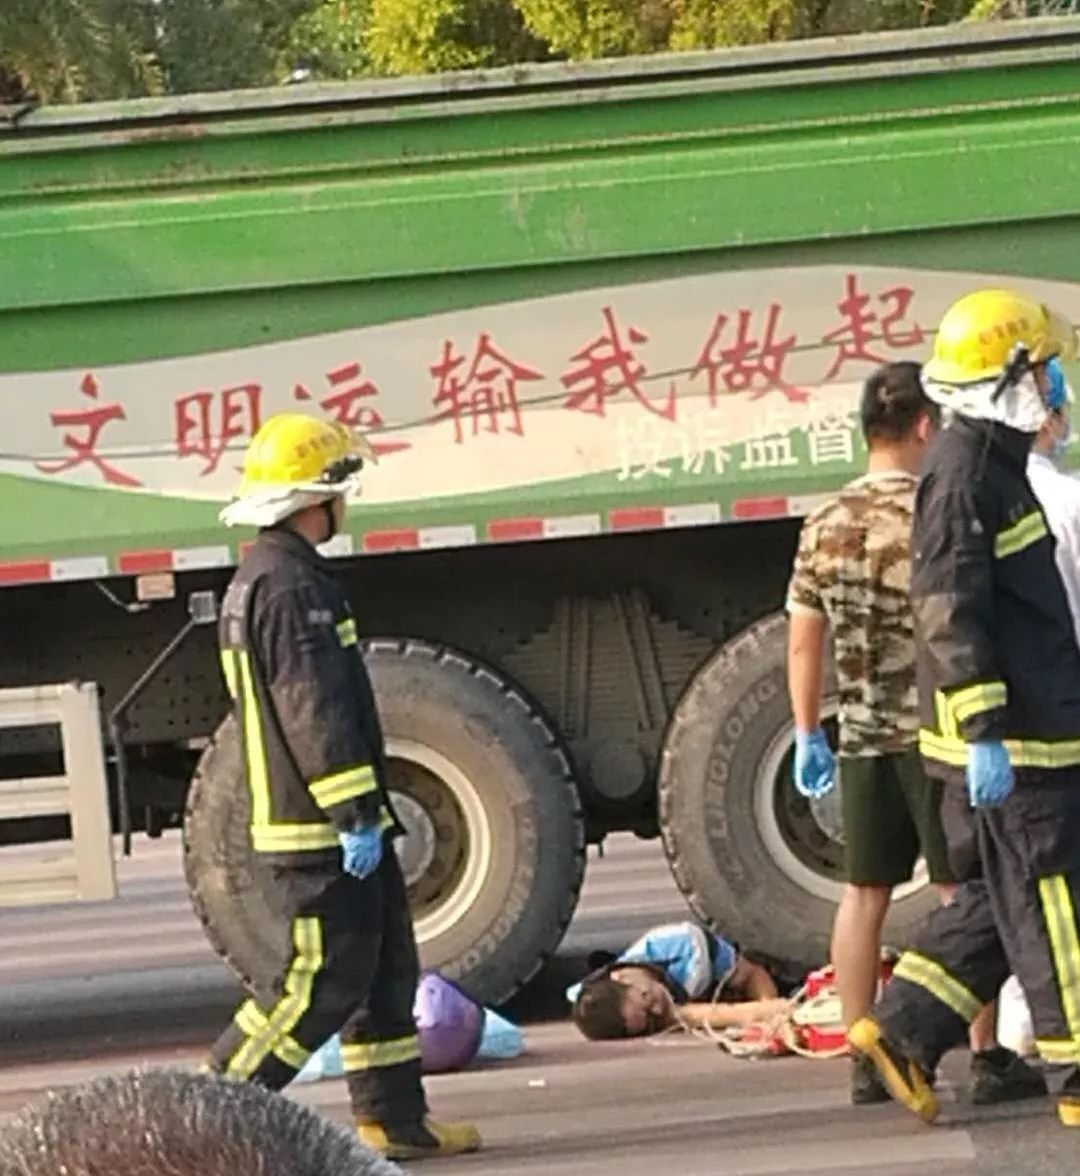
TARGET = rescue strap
x,y
806,1028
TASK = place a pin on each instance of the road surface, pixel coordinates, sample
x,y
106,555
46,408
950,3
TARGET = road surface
x,y
94,989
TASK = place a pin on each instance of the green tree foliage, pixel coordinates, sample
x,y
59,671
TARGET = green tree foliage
x,y
583,29
1012,9
224,44
599,28
331,40
427,36
858,16
77,50
707,24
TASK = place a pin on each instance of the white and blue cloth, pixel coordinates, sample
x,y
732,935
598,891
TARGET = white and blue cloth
x,y
695,961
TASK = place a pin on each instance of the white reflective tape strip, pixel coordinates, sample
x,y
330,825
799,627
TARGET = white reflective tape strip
x,y
571,526
694,514
86,568
187,559
802,505
460,536
337,547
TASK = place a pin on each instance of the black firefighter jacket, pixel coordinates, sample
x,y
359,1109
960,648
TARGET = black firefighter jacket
x,y
995,648
313,746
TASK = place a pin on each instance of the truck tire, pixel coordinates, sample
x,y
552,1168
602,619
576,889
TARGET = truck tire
x,y
495,854
756,861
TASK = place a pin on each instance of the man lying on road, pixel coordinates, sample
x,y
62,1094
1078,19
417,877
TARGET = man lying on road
x,y
668,977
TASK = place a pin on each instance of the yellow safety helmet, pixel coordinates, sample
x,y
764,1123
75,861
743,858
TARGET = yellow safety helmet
x,y
978,333
300,452
295,461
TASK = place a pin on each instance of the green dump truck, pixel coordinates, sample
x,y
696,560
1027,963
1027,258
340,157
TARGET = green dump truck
x,y
606,326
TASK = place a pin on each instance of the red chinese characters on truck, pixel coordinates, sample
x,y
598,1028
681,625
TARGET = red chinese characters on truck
x,y
488,390
349,403
863,326
756,364
485,394
84,450
608,365
205,423
208,424
745,363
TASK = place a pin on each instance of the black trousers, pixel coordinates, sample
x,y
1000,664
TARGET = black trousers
x,y
348,965
1015,911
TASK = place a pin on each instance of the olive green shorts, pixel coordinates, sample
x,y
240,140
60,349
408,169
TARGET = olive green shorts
x,y
892,814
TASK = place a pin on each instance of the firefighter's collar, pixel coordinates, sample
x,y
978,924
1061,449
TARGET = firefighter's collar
x,y
287,539
1014,445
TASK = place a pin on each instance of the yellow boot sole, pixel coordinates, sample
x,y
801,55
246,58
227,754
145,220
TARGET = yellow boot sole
x,y
1069,1111
903,1078
457,1140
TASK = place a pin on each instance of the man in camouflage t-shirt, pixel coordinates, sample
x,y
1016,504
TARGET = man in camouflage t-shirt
x,y
852,576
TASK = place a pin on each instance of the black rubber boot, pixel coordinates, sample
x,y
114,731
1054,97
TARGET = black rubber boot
x,y
998,1075
867,1087
903,1077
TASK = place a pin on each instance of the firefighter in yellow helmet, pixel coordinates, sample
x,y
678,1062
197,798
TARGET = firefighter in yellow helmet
x,y
999,693
321,818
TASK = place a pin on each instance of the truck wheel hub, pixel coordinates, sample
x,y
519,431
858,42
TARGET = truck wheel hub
x,y
416,850
446,855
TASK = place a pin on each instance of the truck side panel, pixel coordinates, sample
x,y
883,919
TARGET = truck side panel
x,y
578,302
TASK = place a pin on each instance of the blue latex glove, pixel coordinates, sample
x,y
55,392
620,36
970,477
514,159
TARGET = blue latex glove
x,y
362,851
815,769
989,773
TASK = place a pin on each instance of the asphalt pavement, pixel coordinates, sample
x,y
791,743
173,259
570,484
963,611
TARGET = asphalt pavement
x,y
91,989
105,975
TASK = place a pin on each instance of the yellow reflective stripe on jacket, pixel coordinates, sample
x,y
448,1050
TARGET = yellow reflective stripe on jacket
x,y
346,631
927,973
254,744
969,701
282,838
386,821
341,786
1023,753
1030,529
944,717
1060,917
228,669
307,960
374,1054
268,835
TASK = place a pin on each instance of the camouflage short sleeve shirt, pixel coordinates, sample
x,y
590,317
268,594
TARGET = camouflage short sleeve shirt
x,y
854,565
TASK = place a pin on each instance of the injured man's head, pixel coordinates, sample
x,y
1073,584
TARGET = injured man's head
x,y
628,1000
174,1122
